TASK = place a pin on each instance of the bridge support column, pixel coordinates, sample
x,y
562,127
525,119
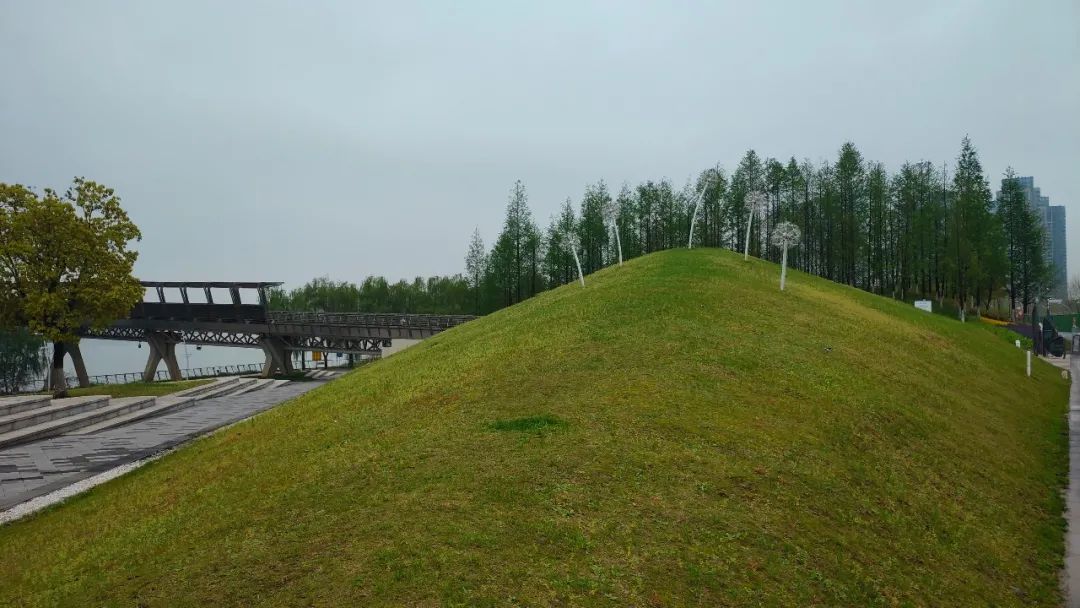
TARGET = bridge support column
x,y
72,349
277,357
162,347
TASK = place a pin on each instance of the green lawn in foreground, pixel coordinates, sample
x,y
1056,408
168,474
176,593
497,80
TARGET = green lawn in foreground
x,y
136,389
676,433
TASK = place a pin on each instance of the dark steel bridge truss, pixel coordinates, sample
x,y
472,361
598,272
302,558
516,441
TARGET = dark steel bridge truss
x,y
164,324
328,342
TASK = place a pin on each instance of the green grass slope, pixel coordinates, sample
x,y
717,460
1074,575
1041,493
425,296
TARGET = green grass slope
x,y
676,433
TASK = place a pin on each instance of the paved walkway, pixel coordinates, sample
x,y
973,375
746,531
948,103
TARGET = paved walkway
x,y
34,469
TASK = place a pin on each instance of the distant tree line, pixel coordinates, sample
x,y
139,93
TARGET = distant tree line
x,y
921,232
435,295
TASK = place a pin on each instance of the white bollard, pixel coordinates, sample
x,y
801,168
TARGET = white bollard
x,y
1029,363
1017,344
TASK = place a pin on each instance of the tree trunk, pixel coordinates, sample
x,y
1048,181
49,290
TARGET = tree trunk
x,y
59,384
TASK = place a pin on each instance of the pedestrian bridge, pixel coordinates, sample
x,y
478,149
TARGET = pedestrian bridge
x,y
164,323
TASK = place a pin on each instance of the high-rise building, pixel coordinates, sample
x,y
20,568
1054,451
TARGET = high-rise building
x,y
1053,220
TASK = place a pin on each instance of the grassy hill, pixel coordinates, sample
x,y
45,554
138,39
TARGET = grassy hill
x,y
676,433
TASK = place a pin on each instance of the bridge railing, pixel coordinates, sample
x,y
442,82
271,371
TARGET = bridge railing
x,y
437,322
161,374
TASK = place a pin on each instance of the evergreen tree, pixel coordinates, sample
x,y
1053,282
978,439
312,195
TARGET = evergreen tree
x,y
1023,239
592,230
850,207
972,226
475,267
558,262
747,178
516,256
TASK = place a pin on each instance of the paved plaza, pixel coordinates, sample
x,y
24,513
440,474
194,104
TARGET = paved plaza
x,y
34,469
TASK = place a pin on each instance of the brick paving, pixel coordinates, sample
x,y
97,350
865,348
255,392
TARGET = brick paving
x,y
37,468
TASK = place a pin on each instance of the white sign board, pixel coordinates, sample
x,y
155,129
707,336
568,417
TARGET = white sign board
x,y
926,305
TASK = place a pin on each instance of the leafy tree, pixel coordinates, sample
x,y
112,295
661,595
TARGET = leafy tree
x,y
475,267
748,177
627,204
1023,238
558,262
972,225
879,195
1074,293
65,263
851,205
592,230
20,360
909,234
433,295
713,186
515,260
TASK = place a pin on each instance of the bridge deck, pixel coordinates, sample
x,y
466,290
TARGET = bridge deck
x,y
360,333
164,324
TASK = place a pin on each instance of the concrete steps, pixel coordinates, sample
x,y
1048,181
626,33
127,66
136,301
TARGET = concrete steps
x,y
69,417
32,417
169,403
323,374
14,405
258,385
202,389
54,409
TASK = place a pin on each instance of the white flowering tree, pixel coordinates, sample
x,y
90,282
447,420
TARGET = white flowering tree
x,y
611,215
713,173
756,204
785,235
572,241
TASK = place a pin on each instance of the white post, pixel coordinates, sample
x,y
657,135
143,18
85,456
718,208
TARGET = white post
x,y
785,235
749,222
693,220
618,241
783,269
578,262
1029,363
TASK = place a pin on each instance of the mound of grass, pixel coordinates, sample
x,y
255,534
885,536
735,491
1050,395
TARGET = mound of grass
x,y
722,443
136,389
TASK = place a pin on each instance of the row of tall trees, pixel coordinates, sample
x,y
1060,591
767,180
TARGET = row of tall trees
x,y
437,295
922,232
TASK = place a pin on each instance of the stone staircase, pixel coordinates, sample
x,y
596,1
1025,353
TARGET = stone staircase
x,y
324,374
51,417
32,417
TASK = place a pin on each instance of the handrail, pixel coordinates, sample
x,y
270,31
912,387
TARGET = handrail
x,y
370,319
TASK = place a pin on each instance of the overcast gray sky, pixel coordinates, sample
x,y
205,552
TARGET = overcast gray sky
x,y
280,141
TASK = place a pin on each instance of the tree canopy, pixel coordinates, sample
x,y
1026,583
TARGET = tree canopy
x,y
20,360
65,262
924,231
914,233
